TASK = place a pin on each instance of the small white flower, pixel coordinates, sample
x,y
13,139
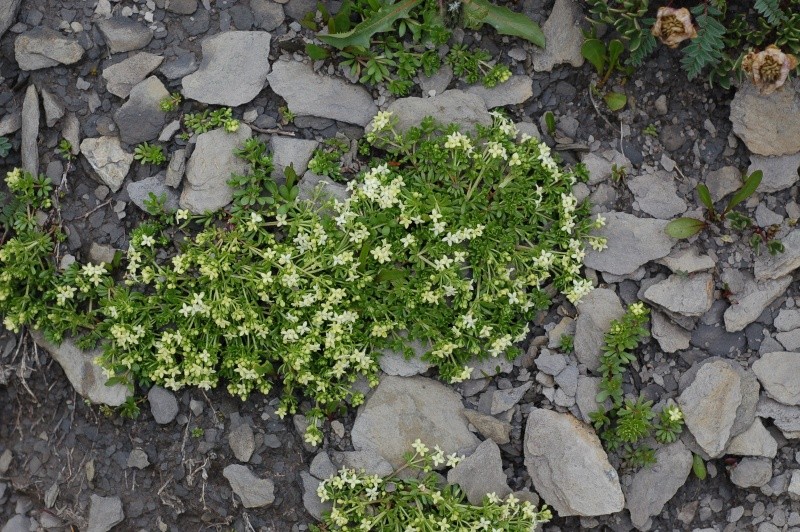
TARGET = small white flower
x,y
148,241
408,240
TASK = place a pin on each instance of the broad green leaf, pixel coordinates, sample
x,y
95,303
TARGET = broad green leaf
x,y
594,50
316,52
391,275
705,196
505,21
615,49
550,120
380,21
615,100
699,467
750,186
684,227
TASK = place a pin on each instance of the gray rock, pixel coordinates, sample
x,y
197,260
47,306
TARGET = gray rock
x,y
311,500
690,295
600,166
84,372
489,426
291,151
752,301
787,320
123,76
785,417
253,491
711,404
101,253
176,168
437,83
10,123
568,466
104,513
141,119
42,47
517,90
139,192
53,108
181,7
723,181
395,363
453,106
5,461
18,523
8,14
687,260
233,70
180,66
163,405
123,34
489,366
209,169
527,128
71,130
551,363
480,474
596,311
242,442
402,410
779,172
308,94
267,13
108,160
755,441
567,380
766,217
30,131
366,460
652,487
564,37
311,184
779,374
586,396
794,488
768,266
752,472
632,242
670,337
768,124
322,467
138,459
503,400
656,194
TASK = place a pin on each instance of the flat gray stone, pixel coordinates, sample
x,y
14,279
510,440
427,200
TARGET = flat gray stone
x,y
53,108
632,242
453,106
768,266
787,320
311,500
123,34
268,14
10,123
404,409
768,124
8,14
779,374
254,492
141,119
181,7
18,523
138,459
30,131
395,363
311,184
321,466
489,426
785,417
723,181
755,441
652,487
586,396
71,130
84,372
670,337
657,195
568,466
210,168
503,400
480,474
291,151
779,172
42,47
563,35
600,166
139,192
233,70
163,405
552,363
437,83
690,295
596,311
123,76
489,366
309,94
242,442
517,90
109,162
687,260
367,460
176,168
752,301
104,513
752,472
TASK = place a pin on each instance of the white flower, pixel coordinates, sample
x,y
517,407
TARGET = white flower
x,y
408,240
148,241
453,460
382,253
64,293
600,221
280,220
181,214
515,160
419,447
496,150
381,120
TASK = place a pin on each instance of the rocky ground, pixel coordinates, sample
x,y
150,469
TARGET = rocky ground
x,y
725,321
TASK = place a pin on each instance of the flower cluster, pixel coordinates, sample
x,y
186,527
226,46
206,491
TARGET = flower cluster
x,y
421,502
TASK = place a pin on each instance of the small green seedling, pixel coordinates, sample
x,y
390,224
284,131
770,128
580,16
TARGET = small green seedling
x,y
5,146
605,59
147,153
550,122
171,102
651,130
65,150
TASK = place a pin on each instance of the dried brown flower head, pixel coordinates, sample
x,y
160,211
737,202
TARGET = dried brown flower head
x,y
673,26
769,68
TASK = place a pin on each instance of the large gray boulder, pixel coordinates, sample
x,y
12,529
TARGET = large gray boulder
x,y
563,36
123,34
481,473
43,48
632,242
141,119
402,410
453,106
768,124
209,169
233,70
569,467
687,295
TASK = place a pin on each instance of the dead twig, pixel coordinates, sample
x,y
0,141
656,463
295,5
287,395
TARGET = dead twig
x,y
273,131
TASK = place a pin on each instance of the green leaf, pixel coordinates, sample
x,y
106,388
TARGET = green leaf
x,y
550,121
316,52
615,100
747,190
379,22
684,227
594,50
391,275
699,467
705,196
505,21
615,49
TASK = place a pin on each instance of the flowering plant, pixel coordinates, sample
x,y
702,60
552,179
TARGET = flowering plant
x,y
421,502
448,238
